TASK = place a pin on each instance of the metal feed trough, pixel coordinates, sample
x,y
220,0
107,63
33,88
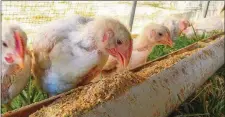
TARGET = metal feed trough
x,y
156,96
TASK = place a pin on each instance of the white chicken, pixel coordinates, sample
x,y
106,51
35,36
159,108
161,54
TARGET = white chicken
x,y
16,62
205,25
176,25
151,35
72,51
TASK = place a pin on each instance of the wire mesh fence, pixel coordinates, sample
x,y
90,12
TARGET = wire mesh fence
x,y
32,14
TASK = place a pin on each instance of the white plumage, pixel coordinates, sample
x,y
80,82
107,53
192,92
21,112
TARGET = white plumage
x,y
14,54
70,51
151,35
205,25
175,24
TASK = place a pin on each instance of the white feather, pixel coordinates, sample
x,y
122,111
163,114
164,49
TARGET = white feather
x,y
71,54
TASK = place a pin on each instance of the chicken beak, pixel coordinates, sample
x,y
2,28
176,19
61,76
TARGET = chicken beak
x,y
169,42
19,49
124,55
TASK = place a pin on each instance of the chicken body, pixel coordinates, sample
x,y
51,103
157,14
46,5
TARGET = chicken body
x,y
15,80
73,53
205,25
16,62
176,25
151,35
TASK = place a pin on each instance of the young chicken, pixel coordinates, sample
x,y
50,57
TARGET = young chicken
x,y
69,53
205,25
151,35
16,62
176,25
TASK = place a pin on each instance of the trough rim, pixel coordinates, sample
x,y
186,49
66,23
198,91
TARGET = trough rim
x,y
50,100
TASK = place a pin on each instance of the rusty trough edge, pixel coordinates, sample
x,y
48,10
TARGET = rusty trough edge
x,y
163,92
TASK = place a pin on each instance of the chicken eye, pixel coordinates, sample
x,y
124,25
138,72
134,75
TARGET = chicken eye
x,y
160,34
119,42
4,44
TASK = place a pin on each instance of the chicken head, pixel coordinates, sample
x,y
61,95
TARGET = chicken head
x,y
158,34
13,45
114,38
